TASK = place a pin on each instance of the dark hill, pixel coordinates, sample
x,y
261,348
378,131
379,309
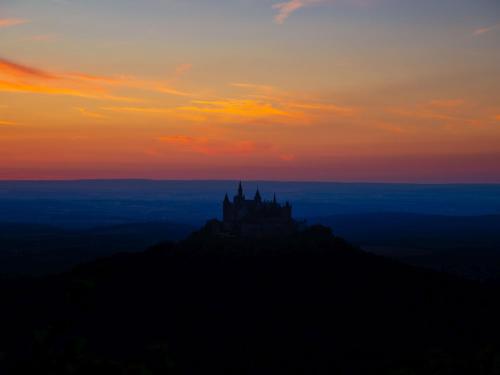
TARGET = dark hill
x,y
36,250
463,245
306,304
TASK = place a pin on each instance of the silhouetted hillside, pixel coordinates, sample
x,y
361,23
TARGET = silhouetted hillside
x,y
464,245
306,304
35,249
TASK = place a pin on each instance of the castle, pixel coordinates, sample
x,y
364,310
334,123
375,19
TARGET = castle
x,y
255,217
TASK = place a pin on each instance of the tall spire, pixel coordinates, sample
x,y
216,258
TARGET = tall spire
x,y
226,199
258,198
240,190
274,199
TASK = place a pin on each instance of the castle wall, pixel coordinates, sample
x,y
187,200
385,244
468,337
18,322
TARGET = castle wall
x,y
256,217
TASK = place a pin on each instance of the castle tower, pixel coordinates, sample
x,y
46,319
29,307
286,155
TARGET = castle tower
x,y
240,197
240,190
227,211
258,198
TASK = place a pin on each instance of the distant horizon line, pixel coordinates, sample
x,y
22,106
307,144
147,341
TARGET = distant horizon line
x,y
353,182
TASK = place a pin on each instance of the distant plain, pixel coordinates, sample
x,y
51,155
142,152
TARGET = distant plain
x,y
49,226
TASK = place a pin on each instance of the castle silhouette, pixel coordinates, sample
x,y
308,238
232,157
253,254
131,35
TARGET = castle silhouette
x,y
254,217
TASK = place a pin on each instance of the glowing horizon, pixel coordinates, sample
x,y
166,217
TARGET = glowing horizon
x,y
334,90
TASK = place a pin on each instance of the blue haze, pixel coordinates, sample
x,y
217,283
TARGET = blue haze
x,y
91,203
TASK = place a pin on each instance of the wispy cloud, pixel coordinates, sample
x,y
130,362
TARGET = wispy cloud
x,y
214,147
252,86
226,108
42,38
256,103
484,30
61,91
182,70
27,79
17,77
235,107
7,123
285,9
295,104
447,103
325,107
172,113
86,113
151,110
8,22
172,91
95,79
453,111
14,69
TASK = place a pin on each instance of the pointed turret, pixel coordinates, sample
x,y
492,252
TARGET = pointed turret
x,y
227,211
258,198
240,190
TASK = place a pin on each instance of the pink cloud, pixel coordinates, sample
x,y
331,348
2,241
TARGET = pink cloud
x,y
42,38
286,8
8,22
485,30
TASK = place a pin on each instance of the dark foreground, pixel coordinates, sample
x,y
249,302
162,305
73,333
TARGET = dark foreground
x,y
308,304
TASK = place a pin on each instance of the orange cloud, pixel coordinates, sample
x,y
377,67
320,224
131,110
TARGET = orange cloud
x,y
127,82
171,91
141,110
234,110
94,78
263,102
23,78
346,111
209,147
86,113
235,107
448,103
14,69
18,70
292,103
155,111
498,118
8,22
252,86
3,122
41,89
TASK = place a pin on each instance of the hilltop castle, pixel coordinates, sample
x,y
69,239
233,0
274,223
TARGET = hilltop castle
x,y
255,217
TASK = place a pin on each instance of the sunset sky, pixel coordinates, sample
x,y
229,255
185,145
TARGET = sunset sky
x,y
336,90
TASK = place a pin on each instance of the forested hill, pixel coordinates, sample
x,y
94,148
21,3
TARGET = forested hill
x,y
306,304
